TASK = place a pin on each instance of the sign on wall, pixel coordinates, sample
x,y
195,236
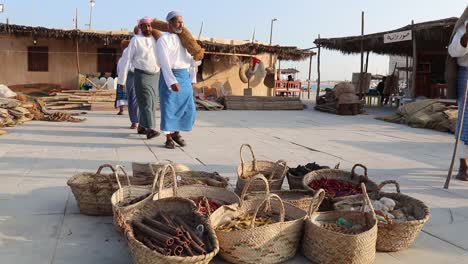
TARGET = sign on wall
x,y
398,36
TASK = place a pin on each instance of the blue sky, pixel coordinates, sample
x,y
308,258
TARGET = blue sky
x,y
299,21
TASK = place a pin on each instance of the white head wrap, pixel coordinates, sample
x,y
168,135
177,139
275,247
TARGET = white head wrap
x,y
173,14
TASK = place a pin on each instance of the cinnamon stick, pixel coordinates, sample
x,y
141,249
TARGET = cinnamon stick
x,y
160,226
157,235
151,246
177,250
166,219
197,248
187,228
188,251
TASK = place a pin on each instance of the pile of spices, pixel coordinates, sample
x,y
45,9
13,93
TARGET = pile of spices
x,y
335,188
244,222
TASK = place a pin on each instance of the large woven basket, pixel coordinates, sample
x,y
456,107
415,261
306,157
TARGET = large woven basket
x,y
298,198
193,191
273,243
273,171
126,194
93,191
181,207
399,236
344,176
322,245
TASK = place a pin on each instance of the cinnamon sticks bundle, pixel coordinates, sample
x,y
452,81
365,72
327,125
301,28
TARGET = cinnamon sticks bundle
x,y
170,236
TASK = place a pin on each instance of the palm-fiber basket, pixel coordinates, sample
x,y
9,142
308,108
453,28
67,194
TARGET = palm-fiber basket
x,y
93,191
394,237
341,175
273,171
181,207
273,243
326,242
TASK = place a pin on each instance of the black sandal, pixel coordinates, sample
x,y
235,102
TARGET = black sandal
x,y
170,144
178,139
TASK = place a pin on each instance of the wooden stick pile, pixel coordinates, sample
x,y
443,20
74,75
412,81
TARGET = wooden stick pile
x,y
170,236
77,99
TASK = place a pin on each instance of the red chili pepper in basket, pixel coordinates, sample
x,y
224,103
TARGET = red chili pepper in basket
x,y
335,188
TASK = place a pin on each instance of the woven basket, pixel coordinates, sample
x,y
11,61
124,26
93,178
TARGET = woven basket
x,y
273,171
193,191
322,245
148,170
125,194
399,236
295,182
94,197
272,243
181,207
298,198
340,175
186,176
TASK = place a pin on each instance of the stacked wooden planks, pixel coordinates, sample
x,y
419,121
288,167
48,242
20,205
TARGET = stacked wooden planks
x,y
262,103
80,100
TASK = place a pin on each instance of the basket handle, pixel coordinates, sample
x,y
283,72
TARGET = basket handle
x,y
367,201
316,202
107,177
254,159
161,179
268,199
150,165
277,164
105,166
120,167
337,166
247,186
382,184
353,173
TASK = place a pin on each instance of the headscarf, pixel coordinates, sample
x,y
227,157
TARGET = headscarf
x,y
145,20
172,14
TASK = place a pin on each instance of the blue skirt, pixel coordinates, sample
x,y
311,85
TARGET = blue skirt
x,y
177,108
461,86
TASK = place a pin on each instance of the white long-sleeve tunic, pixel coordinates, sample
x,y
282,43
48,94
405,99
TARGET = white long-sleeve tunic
x,y
456,50
123,61
141,55
172,55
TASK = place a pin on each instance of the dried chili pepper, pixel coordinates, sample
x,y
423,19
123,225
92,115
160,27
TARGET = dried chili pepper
x,y
202,203
335,188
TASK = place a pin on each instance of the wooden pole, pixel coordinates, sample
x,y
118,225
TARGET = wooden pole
x,y
77,48
367,62
318,72
415,63
201,30
407,73
279,70
310,76
455,148
362,56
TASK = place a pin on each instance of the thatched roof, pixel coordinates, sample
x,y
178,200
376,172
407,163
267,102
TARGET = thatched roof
x,y
288,71
114,37
42,32
430,36
283,53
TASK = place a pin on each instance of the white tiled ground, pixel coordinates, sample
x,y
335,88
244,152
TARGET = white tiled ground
x,y
40,222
